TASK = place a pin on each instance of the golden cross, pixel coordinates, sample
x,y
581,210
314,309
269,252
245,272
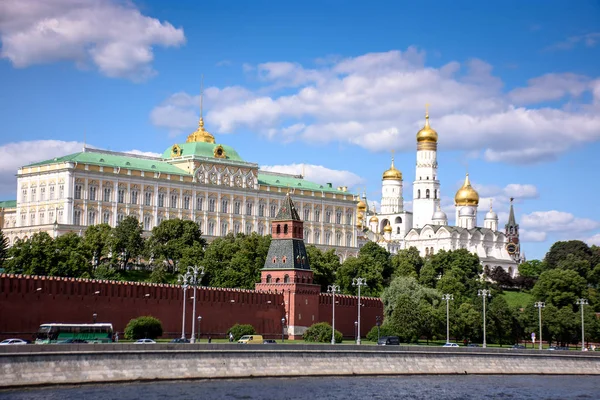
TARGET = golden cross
x,y
427,108
393,151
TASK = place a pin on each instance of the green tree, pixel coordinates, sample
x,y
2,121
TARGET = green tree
x,y
559,287
34,256
409,286
431,320
143,327
3,248
373,264
71,258
560,250
468,324
96,241
405,319
324,265
531,268
239,330
172,238
127,240
321,333
579,265
499,321
562,324
407,262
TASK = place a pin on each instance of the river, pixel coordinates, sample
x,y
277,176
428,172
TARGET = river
x,y
457,387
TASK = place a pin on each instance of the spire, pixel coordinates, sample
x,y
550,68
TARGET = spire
x,y
200,134
287,211
511,215
490,204
427,115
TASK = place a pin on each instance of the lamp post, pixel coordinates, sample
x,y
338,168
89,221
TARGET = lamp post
x,y
282,329
183,280
447,297
539,305
94,316
333,289
199,321
358,282
582,302
484,293
355,330
194,272
378,323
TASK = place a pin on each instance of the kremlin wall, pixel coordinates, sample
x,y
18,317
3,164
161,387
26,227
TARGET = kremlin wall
x,y
28,301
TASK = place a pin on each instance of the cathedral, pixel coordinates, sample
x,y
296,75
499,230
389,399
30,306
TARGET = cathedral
x,y
426,227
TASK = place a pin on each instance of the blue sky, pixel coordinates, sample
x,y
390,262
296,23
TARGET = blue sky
x,y
514,89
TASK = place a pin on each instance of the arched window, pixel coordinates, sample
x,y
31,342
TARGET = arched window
x,y
426,251
277,280
431,251
418,193
286,279
278,229
511,230
398,230
284,259
427,193
398,220
268,278
285,229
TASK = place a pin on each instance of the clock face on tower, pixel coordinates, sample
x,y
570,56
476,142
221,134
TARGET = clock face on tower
x,y
511,248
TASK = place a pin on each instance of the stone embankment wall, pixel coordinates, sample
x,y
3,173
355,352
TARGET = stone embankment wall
x,y
42,365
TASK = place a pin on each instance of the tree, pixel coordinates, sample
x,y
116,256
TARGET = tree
x,y
172,238
324,265
559,287
500,321
3,248
501,277
560,250
96,241
321,333
239,330
373,263
409,286
71,258
127,240
562,324
407,262
34,256
143,327
405,319
531,268
579,265
468,325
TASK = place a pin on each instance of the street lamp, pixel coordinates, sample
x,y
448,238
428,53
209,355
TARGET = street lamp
x,y
282,329
539,305
183,280
358,282
333,289
194,272
355,330
582,302
94,316
484,293
378,323
199,321
447,298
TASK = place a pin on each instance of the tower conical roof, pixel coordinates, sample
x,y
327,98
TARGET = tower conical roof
x,y
287,211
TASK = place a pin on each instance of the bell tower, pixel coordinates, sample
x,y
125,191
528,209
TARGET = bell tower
x,y
287,270
512,234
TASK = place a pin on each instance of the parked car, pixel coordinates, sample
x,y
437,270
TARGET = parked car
x,y
269,341
472,345
389,341
450,345
73,341
251,339
144,341
518,347
12,341
180,340
558,348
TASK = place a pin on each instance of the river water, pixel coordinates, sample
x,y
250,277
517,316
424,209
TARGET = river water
x,y
333,388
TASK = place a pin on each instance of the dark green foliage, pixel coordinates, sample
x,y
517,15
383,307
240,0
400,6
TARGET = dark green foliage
x,y
407,263
321,333
127,241
143,327
324,265
97,244
239,330
373,263
499,321
171,240
384,330
531,268
559,287
159,275
3,248
560,251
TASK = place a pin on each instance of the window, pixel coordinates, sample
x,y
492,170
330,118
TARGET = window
x,y
419,194
211,228
261,210
327,238
147,221
160,220
306,236
186,202
42,193
77,217
236,207
120,217
236,228
435,192
348,239
91,218
60,216
106,195
427,193
24,195
50,216
398,230
317,237
248,208
273,210
121,196
173,201
106,217
224,205
134,197
306,214
34,196
148,198
327,216
248,229
52,192
223,228
269,278
317,215
77,192
338,217
199,222
211,205
338,239
199,203
61,191
42,218
349,218
161,199
92,193
261,230
398,220
286,278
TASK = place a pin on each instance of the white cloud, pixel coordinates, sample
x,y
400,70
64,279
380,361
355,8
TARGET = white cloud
x,y
377,100
557,221
589,40
532,236
318,174
113,35
521,191
144,153
594,240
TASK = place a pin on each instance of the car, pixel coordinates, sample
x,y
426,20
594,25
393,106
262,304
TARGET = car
x,y
472,345
144,341
12,342
269,341
558,348
389,341
518,347
450,345
73,341
180,340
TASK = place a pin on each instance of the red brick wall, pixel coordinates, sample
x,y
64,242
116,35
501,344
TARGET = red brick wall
x,y
346,312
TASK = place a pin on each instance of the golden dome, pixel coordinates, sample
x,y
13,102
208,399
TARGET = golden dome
x,y
200,134
374,219
392,173
388,228
361,205
427,134
466,195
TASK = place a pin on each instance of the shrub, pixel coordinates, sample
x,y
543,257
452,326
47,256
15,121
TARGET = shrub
x,y
143,327
321,333
384,330
239,330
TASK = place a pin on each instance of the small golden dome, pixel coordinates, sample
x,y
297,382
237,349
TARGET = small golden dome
x,y
466,195
427,134
392,173
388,228
360,215
374,219
361,205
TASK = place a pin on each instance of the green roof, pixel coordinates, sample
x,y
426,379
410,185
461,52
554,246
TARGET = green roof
x,y
8,204
203,149
294,182
111,159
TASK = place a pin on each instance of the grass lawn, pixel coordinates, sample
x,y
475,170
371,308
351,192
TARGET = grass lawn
x,y
517,299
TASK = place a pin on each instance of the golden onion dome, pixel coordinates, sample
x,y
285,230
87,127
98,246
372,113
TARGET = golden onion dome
x,y
361,205
466,195
360,215
392,173
427,134
388,228
374,219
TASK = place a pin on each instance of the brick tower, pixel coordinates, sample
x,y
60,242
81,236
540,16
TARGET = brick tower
x,y
287,270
